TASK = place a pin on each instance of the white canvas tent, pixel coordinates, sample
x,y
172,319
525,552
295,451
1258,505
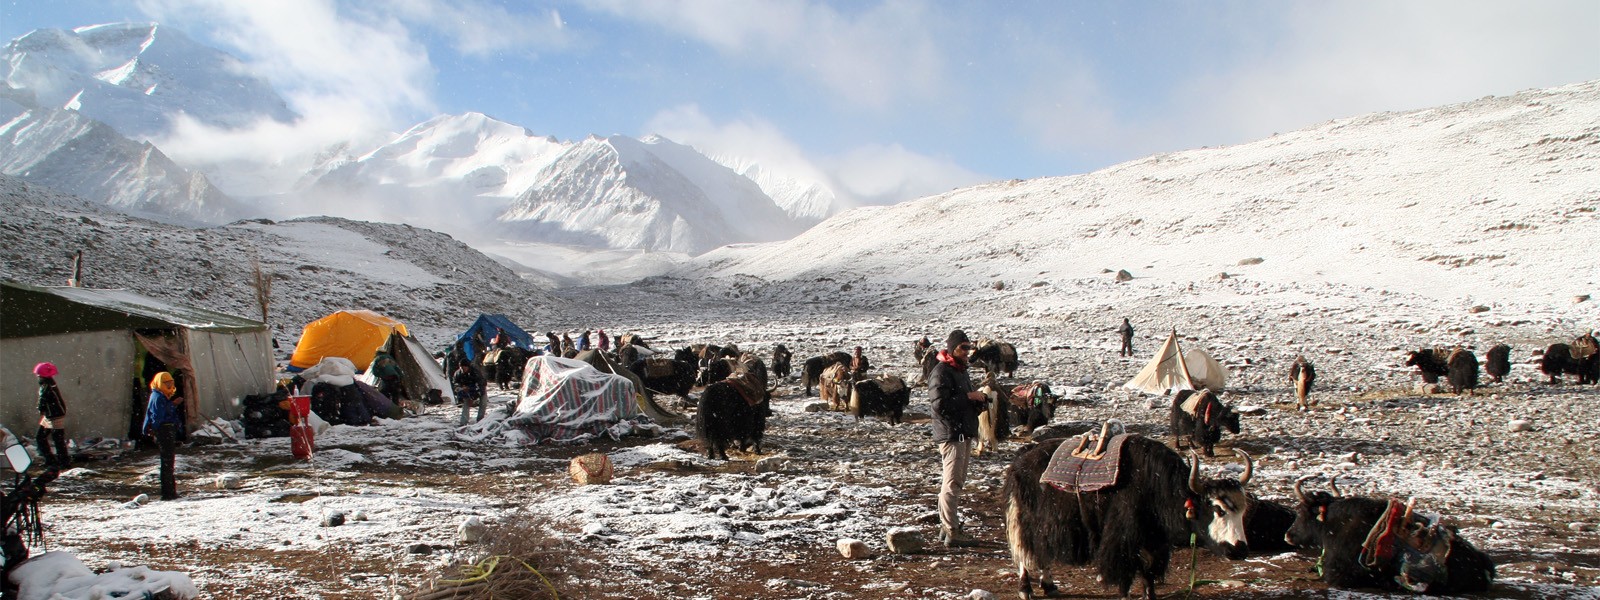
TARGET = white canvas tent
x,y
104,340
1173,369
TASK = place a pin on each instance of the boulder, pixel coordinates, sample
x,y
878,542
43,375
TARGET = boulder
x,y
1123,275
905,541
851,548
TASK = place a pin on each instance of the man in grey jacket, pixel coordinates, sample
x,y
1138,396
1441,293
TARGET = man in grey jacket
x,y
955,424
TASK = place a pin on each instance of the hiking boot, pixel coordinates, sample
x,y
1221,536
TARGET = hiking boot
x,y
957,539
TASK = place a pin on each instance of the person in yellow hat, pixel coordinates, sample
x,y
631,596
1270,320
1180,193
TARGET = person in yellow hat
x,y
161,420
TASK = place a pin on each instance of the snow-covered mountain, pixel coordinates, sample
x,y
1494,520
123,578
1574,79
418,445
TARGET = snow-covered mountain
x,y
806,201
138,78
1492,200
71,153
650,194
434,283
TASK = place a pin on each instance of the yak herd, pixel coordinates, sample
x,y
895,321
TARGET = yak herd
x,y
1148,499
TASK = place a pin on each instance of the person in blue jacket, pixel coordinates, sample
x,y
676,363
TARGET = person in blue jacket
x,y
161,421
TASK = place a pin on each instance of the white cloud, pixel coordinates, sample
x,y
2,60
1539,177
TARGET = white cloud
x,y
484,29
873,58
868,174
1310,63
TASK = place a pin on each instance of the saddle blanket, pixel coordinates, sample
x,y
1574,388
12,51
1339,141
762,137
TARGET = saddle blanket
x,y
1069,473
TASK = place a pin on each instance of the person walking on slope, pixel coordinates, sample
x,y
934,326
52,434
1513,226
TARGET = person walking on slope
x,y
52,418
955,425
1127,338
161,420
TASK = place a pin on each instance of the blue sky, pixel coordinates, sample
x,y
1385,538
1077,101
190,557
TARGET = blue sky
x,y
887,98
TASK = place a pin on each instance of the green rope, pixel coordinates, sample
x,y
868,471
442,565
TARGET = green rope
x,y
1193,559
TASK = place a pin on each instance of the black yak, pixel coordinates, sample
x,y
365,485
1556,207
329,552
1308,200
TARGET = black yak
x,y
1267,524
1497,362
1199,418
1127,529
1405,552
1301,375
1462,370
995,357
1580,358
1430,362
811,373
884,395
781,356
734,411
664,375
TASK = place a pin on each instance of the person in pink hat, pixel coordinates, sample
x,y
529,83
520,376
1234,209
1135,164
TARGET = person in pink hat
x,y
52,418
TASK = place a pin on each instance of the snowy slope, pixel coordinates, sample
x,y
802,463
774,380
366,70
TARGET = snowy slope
x,y
806,200
1492,200
137,77
649,194
71,153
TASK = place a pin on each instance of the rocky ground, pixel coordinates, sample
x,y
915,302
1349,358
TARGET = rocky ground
x,y
677,525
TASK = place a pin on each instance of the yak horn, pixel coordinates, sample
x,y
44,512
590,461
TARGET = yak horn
x,y
1410,504
1249,467
1300,493
1194,474
1333,484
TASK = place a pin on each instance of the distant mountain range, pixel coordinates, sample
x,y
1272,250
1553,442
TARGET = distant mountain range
x,y
83,107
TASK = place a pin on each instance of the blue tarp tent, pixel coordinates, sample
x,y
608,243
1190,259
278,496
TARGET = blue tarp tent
x,y
483,330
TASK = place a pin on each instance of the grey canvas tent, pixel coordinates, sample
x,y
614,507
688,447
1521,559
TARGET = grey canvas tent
x,y
102,341
1173,369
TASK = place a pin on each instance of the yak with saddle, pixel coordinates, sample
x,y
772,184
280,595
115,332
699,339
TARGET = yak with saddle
x,y
734,411
1120,504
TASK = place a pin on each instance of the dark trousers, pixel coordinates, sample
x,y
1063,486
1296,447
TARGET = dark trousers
x,y
58,458
167,441
1127,347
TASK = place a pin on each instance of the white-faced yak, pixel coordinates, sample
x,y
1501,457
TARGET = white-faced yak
x,y
884,395
811,372
1127,528
1301,375
1377,543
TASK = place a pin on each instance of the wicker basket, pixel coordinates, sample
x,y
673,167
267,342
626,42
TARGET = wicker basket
x,y
591,468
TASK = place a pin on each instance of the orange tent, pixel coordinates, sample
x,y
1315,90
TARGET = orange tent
x,y
352,334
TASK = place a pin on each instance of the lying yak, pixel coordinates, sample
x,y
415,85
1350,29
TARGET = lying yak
x,y
1402,552
1126,529
884,395
1461,370
1198,418
734,411
1497,362
1301,375
811,372
1430,362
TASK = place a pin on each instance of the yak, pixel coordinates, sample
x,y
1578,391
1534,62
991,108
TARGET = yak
x,y
1199,418
1462,370
1430,362
884,395
811,373
665,375
1266,525
996,357
1032,405
505,366
1127,529
1340,526
1301,376
1578,358
734,411
781,356
834,386
1497,362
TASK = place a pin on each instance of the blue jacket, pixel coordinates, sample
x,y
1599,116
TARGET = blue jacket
x,y
159,411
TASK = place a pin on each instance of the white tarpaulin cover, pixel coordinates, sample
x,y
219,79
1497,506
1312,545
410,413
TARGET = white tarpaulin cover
x,y
564,399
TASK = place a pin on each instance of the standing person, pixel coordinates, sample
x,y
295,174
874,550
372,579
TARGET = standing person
x,y
52,418
605,341
469,389
387,370
955,425
161,420
501,339
1127,338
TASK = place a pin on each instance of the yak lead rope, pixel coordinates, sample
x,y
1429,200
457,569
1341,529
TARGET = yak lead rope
x,y
481,571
